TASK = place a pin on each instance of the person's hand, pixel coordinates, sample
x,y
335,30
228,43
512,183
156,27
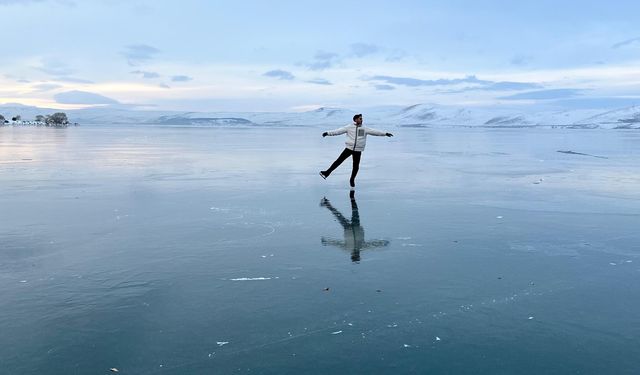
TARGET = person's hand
x,y
389,135
325,134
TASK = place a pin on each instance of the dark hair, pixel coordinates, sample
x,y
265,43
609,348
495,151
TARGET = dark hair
x,y
356,116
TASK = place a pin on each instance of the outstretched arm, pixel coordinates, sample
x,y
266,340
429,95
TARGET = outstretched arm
x,y
379,133
338,131
333,242
375,244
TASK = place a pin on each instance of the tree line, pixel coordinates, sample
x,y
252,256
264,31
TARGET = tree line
x,y
58,120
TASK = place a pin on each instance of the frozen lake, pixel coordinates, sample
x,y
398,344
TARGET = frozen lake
x,y
165,250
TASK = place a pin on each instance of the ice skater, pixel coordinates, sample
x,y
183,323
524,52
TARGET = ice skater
x,y
356,140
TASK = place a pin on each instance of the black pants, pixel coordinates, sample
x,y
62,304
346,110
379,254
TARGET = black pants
x,y
343,156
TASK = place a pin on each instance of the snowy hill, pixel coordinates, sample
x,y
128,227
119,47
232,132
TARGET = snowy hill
x,y
434,115
26,112
418,115
625,118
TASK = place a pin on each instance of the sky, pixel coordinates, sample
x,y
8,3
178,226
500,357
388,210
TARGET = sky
x,y
293,56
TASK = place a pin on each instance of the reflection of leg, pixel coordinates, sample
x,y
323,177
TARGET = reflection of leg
x,y
355,216
343,156
356,167
341,219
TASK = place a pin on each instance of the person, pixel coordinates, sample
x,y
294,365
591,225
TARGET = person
x,y
354,241
356,140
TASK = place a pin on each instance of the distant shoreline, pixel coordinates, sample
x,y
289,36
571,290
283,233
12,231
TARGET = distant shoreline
x,y
38,124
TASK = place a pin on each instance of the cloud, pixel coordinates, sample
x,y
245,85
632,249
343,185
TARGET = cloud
x,y
181,78
415,82
71,80
59,71
137,54
626,43
363,49
42,87
320,81
145,74
501,86
507,86
142,10
520,60
384,87
477,84
323,60
27,2
396,55
11,2
82,97
279,74
55,68
164,86
545,94
16,78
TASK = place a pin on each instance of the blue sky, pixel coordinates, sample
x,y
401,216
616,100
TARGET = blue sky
x,y
294,56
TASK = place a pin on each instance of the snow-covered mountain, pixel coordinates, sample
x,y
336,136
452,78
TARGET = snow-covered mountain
x,y
319,116
26,112
625,118
418,115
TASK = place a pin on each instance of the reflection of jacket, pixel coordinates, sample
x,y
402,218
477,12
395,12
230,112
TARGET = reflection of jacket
x,y
356,135
354,237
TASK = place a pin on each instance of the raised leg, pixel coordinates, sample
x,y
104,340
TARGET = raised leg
x,y
343,156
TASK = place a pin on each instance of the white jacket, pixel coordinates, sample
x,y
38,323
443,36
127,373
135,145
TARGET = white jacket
x,y
356,140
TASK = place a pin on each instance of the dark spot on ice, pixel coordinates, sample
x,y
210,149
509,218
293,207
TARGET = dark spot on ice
x,y
580,153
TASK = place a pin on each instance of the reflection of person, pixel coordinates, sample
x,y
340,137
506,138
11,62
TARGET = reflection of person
x,y
356,140
353,232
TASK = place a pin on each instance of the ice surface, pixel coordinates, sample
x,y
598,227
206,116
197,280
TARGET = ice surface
x,y
136,247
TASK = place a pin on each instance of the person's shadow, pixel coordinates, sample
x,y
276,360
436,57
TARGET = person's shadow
x,y
354,241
